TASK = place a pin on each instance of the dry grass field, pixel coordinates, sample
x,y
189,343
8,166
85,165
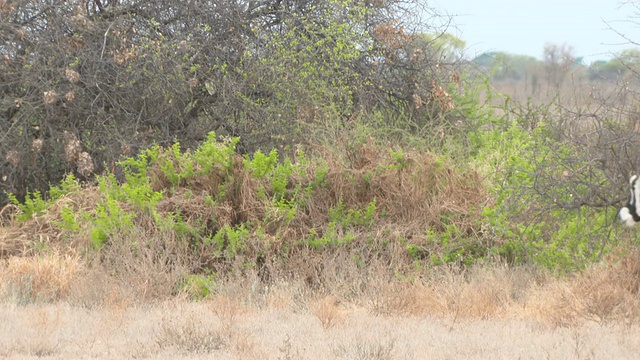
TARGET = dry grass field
x,y
174,330
483,312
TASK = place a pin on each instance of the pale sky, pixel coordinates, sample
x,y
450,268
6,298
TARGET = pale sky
x,y
525,26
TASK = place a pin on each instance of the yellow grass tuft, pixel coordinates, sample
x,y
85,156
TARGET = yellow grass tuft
x,y
44,278
328,311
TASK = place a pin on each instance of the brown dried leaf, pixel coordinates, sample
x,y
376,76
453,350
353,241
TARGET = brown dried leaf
x,y
50,97
85,164
72,75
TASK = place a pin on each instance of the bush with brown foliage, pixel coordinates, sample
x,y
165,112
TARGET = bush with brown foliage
x,y
361,207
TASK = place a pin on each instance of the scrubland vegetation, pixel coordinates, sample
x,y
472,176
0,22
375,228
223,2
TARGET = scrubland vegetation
x,y
252,182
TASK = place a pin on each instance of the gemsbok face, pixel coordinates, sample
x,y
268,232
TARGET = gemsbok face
x,y
629,213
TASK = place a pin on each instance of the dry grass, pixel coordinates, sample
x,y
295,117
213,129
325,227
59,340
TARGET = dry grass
x,y
49,277
483,311
603,293
190,335
60,305
414,191
328,311
183,329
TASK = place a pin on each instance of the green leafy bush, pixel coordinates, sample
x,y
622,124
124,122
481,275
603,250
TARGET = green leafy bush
x,y
353,217
109,218
35,204
526,223
229,241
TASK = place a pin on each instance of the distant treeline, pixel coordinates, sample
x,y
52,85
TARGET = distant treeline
x,y
558,61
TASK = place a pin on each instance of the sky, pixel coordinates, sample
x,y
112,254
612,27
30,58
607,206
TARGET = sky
x,y
525,26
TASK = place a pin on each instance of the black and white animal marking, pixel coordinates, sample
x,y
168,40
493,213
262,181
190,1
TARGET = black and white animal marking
x,y
629,213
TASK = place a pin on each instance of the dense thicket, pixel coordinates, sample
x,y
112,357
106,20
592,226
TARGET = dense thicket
x,y
84,82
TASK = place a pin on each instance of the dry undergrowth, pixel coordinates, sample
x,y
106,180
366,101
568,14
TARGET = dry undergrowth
x,y
601,294
328,311
372,272
49,277
411,191
341,320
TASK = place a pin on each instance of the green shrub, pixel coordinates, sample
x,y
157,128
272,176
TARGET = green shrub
x,y
199,286
109,218
35,204
69,220
333,235
353,217
214,154
229,241
528,223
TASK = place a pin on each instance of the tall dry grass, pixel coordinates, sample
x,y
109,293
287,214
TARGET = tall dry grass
x,y
602,293
481,312
45,278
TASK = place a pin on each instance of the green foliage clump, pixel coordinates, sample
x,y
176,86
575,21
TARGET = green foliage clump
x,y
69,220
137,189
35,203
229,241
353,217
213,154
109,216
333,236
527,224
261,165
199,286
277,173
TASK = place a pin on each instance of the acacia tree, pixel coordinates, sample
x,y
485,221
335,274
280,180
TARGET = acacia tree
x,y
588,145
84,82
558,60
